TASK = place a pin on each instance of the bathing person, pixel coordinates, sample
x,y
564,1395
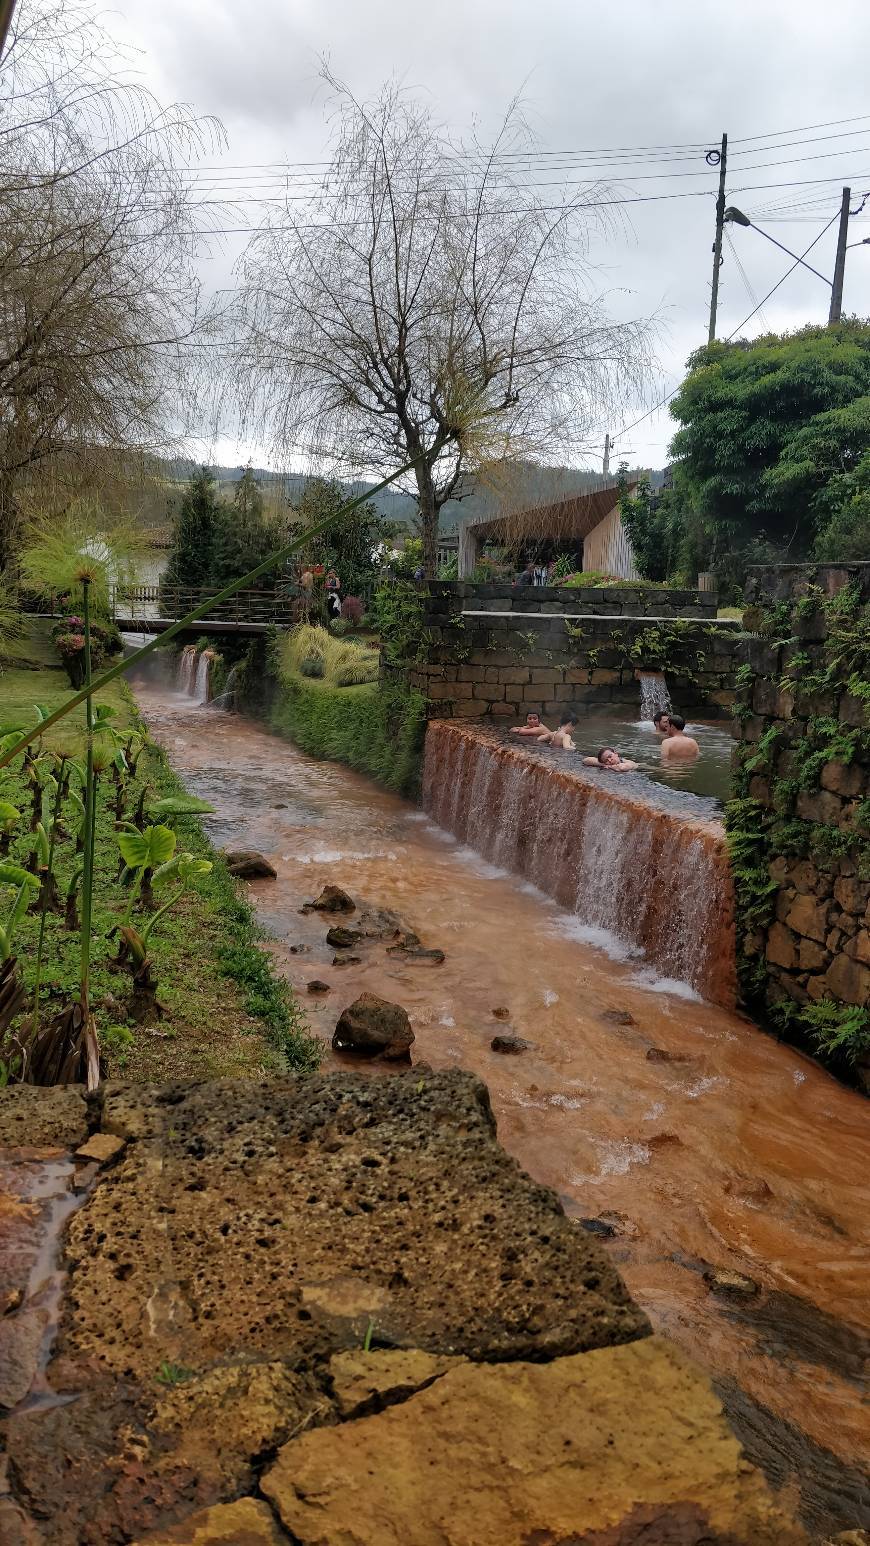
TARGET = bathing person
x,y
527,577
677,746
661,720
561,737
610,759
533,726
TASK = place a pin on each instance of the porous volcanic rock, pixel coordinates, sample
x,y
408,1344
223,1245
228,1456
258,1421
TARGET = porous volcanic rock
x,y
316,986
342,939
373,1027
246,1522
613,1448
509,1044
33,1117
248,864
380,1378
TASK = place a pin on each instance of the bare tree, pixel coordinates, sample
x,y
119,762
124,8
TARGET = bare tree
x,y
98,297
425,305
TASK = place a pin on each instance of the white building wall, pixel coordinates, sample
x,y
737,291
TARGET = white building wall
x,y
608,549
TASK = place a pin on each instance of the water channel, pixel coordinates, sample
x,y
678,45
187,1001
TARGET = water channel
x,y
684,1136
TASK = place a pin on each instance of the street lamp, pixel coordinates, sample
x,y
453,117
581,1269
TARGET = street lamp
x,y
737,217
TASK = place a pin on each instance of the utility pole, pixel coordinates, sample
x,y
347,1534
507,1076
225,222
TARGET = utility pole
x,y
606,455
717,245
6,9
836,310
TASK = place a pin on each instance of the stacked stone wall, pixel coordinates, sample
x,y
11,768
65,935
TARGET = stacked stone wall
x,y
455,596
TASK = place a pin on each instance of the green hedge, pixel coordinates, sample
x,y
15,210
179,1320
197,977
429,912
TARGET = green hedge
x,y
375,729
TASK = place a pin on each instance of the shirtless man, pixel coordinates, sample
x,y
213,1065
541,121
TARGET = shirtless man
x,y
661,720
533,726
610,759
677,746
561,737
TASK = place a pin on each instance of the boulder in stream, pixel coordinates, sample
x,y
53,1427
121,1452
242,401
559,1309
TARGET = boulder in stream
x,y
342,939
373,1027
247,864
618,1017
316,986
734,1285
509,1044
502,1012
332,900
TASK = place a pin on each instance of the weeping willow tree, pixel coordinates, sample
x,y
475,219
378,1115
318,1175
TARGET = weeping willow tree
x,y
427,305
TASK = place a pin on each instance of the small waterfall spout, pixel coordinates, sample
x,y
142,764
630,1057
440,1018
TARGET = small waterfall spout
x,y
655,877
227,699
654,695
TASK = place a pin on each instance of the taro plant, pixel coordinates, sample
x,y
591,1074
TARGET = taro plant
x,y
9,820
142,852
23,884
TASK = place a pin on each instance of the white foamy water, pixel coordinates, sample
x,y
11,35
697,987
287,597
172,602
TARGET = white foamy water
x,y
618,1156
550,997
602,939
339,856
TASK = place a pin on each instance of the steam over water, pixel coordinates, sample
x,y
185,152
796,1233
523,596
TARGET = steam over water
x,y
648,867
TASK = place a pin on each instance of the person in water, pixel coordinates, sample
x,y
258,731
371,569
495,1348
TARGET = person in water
x,y
677,746
561,737
533,726
661,721
609,758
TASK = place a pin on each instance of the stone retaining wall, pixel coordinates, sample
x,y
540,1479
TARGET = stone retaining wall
x,y
454,596
508,664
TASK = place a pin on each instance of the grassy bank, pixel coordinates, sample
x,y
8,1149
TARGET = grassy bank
x,y
225,1011
376,730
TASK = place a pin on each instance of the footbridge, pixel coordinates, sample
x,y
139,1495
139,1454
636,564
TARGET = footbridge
x,y
154,608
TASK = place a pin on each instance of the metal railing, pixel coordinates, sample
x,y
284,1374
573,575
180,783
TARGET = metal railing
x,y
174,601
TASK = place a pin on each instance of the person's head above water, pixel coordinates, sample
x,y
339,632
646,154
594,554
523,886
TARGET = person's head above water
x,y
567,721
676,723
608,757
662,719
533,720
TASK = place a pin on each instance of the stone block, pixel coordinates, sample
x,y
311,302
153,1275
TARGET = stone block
x,y
808,916
852,894
759,789
764,696
803,876
848,981
823,807
546,676
620,1445
781,947
577,674
812,957
602,675
514,675
492,691
858,948
853,711
848,779
504,710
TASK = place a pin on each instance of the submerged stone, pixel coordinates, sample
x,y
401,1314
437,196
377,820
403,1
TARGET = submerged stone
x,y
333,900
342,939
374,1027
509,1044
247,864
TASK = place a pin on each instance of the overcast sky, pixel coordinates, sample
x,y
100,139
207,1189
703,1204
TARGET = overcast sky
x,y
630,73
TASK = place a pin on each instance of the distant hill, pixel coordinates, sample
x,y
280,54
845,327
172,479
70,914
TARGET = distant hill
x,y
516,484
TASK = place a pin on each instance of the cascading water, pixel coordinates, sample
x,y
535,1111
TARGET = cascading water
x,y
193,673
227,699
655,876
654,695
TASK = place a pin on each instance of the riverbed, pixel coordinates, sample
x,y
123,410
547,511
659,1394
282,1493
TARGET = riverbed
x,y
692,1142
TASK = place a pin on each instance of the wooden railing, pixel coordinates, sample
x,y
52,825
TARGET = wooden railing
x,y
175,601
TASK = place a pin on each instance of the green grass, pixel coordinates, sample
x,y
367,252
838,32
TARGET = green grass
x,y
226,1011
375,729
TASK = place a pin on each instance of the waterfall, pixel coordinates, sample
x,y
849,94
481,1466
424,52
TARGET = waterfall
x,y
654,695
192,676
654,877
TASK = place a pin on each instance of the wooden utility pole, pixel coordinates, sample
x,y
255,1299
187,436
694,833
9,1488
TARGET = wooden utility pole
x,y
717,245
606,455
836,310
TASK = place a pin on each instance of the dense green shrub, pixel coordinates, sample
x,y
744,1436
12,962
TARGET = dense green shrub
x,y
376,730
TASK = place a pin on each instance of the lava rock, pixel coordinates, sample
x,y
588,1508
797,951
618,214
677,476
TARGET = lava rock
x,y
101,1147
618,1017
380,923
316,986
374,1027
598,1227
333,900
735,1285
342,939
662,1055
247,864
502,1013
510,1044
347,960
435,957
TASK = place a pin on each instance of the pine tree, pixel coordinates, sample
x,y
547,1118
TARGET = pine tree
x,y
194,536
245,535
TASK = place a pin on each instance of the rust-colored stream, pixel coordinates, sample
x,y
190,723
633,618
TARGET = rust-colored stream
x,y
696,1138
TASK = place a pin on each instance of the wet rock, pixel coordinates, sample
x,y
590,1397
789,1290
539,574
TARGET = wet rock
x,y
316,986
374,1027
346,960
332,900
617,1017
342,939
410,947
15,1528
434,957
663,1141
501,1013
379,923
247,1522
614,1446
598,1227
247,864
662,1055
734,1285
101,1148
377,1379
31,1116
20,1347
509,1044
